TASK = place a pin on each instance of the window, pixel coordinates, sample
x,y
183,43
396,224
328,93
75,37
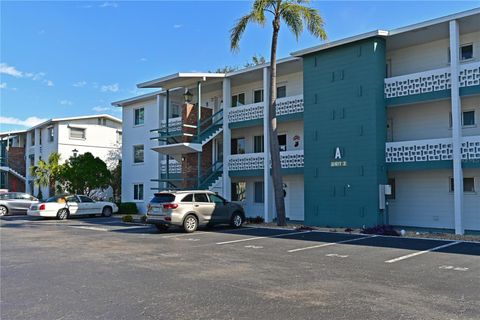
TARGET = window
x,y
138,154
85,199
238,146
391,182
468,118
99,121
138,191
119,136
77,133
32,137
281,92
238,191
258,96
139,116
40,136
174,111
188,198
258,144
50,133
102,121
468,185
201,197
238,100
163,198
217,199
466,52
259,192
282,141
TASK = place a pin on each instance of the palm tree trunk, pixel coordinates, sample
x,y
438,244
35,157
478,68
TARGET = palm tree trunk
x,y
274,146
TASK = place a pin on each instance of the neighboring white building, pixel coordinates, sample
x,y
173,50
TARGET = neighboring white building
x,y
353,115
100,135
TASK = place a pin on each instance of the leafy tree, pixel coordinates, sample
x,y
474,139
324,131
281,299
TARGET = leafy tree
x,y
256,60
116,181
294,14
85,173
45,173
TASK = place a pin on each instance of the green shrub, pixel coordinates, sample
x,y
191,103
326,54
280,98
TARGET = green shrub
x,y
127,218
127,208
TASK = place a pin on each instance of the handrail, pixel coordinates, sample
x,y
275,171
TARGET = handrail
x,y
210,117
211,171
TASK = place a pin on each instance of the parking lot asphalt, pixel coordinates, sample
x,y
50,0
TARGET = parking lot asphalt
x,y
101,268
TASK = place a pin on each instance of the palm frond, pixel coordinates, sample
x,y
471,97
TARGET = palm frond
x,y
292,18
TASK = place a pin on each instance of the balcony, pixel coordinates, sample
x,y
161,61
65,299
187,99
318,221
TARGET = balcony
x,y
285,106
255,161
431,150
431,81
173,165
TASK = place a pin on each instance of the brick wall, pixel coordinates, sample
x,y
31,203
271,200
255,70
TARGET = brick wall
x,y
16,159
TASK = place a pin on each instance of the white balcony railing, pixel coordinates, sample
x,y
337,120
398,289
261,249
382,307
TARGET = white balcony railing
x,y
173,165
254,111
431,150
254,161
431,81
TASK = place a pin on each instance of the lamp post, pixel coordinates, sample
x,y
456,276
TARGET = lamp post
x,y
188,96
75,152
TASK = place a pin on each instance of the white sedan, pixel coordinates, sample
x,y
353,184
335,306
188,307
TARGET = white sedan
x,y
63,207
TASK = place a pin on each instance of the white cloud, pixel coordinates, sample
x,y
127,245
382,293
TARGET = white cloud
x,y
3,85
35,76
80,83
143,59
110,87
109,4
48,83
177,26
29,122
66,102
10,70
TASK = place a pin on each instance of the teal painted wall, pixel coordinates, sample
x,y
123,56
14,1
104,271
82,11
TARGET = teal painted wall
x,y
345,107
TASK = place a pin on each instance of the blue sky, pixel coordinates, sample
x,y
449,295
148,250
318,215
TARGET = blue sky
x,y
62,59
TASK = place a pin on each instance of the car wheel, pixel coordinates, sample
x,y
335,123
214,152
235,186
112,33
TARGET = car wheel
x,y
237,220
161,227
190,224
62,214
106,212
3,211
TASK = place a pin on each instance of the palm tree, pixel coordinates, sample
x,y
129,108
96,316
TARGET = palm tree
x,y
45,173
294,14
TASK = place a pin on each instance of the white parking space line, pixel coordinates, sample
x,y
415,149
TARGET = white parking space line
x,y
176,235
329,244
89,228
262,237
422,252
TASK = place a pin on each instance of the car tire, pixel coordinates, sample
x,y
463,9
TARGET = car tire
x,y
107,212
161,227
190,224
237,220
62,214
3,211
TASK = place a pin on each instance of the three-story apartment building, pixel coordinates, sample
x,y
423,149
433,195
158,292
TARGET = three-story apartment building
x,y
100,135
394,108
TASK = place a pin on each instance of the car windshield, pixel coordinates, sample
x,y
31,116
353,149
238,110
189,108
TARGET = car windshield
x,y
58,199
163,198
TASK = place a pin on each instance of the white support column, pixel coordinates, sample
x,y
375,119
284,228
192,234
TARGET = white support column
x,y
456,127
227,136
267,181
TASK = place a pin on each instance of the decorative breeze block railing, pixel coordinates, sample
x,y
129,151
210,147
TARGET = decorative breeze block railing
x,y
431,81
254,111
254,161
430,150
173,165
174,124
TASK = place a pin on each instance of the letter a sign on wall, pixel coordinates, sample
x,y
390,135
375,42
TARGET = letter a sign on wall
x,y
338,162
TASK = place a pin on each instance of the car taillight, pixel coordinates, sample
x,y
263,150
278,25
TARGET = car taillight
x,y
168,218
42,207
170,206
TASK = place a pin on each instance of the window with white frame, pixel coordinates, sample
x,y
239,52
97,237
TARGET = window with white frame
x,y
281,91
138,153
258,144
138,191
77,133
119,136
466,52
50,133
239,191
258,96
468,185
139,116
238,100
468,118
259,198
174,111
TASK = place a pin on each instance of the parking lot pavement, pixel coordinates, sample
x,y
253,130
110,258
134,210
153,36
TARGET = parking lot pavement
x,y
102,268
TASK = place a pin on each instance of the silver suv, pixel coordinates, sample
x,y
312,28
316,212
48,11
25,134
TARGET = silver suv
x,y
191,209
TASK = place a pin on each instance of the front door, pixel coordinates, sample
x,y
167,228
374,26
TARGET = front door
x,y
73,204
